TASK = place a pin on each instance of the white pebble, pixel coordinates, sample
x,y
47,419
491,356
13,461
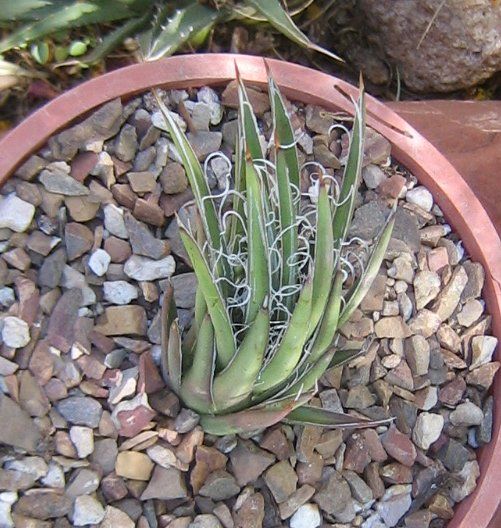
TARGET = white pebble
x,y
15,214
145,269
114,221
307,516
15,332
421,197
87,510
83,440
99,262
119,292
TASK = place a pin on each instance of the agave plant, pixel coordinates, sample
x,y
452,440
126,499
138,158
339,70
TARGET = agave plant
x,y
277,277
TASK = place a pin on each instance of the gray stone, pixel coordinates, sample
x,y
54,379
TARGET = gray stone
x,y
119,292
15,214
145,269
57,181
219,485
476,277
126,143
369,219
427,429
205,143
281,480
142,240
52,269
22,431
482,350
83,482
307,516
81,410
373,176
449,297
467,414
360,490
83,440
394,504
105,454
417,354
427,286
15,332
87,510
99,262
470,312
116,518
165,484
333,495
185,287
421,197
114,221
467,481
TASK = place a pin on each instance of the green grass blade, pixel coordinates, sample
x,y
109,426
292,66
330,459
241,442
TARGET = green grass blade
x,y
288,353
361,287
216,307
196,383
115,38
324,257
276,15
287,173
258,275
234,384
309,415
184,23
352,174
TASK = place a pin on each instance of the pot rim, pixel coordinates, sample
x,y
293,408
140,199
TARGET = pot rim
x,y
449,190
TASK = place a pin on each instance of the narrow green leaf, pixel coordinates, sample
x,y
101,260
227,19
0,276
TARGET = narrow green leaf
x,y
288,353
179,27
361,287
197,381
115,38
171,358
65,16
309,415
196,177
253,419
216,307
258,273
329,324
174,358
234,384
276,15
287,173
352,174
11,11
324,257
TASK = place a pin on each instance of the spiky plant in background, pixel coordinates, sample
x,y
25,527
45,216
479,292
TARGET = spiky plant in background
x,y
276,279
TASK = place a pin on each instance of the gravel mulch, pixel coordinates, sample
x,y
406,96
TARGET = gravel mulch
x,y
92,436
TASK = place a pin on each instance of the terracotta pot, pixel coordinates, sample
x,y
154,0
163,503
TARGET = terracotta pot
x,y
459,204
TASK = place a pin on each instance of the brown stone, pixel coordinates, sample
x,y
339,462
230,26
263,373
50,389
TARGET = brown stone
x,y
277,443
396,473
483,376
295,501
375,446
44,505
149,378
207,459
133,465
357,455
392,187
260,101
438,259
171,203
374,480
249,462
61,329
122,320
142,182
251,513
281,480
17,258
119,250
165,484
31,396
78,239
149,212
124,195
82,164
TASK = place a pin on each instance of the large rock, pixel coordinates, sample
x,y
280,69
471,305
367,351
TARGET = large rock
x,y
22,431
461,48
